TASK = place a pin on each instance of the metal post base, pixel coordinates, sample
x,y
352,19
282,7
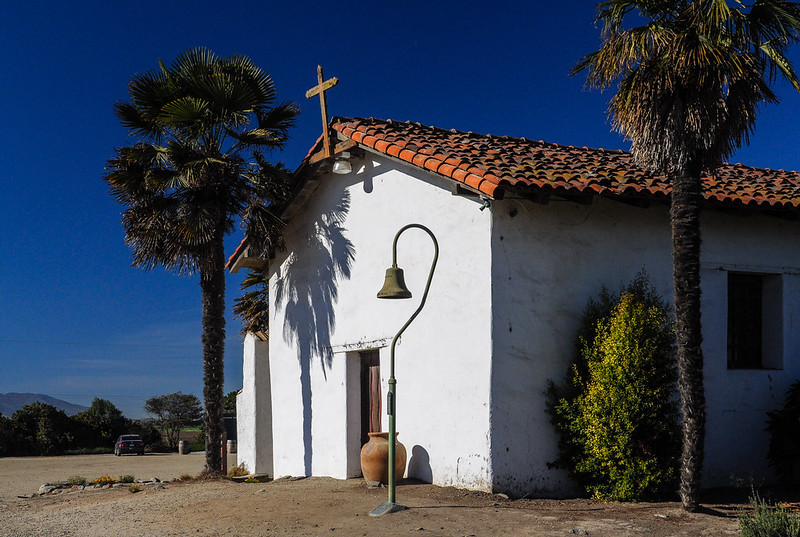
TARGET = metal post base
x,y
387,507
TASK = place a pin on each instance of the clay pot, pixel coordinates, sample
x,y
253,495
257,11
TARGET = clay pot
x,y
375,459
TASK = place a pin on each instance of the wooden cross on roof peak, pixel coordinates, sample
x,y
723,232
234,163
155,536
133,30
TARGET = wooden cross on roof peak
x,y
320,89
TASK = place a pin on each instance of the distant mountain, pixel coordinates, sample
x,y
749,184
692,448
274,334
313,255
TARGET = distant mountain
x,y
11,402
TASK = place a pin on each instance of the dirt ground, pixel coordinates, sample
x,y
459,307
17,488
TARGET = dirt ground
x,y
308,507
24,475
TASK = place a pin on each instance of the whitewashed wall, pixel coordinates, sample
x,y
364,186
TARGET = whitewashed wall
x,y
254,409
738,400
324,310
501,319
548,260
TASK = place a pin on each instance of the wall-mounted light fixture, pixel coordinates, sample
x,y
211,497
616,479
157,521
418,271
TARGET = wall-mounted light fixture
x,y
341,165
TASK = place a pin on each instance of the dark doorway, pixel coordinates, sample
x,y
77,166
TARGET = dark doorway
x,y
370,394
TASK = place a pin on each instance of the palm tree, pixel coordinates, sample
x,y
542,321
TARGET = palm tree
x,y
198,168
690,78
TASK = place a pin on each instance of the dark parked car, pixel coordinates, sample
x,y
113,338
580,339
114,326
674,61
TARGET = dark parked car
x,y
129,443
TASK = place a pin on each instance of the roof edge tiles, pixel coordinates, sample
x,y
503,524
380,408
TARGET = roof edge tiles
x,y
491,164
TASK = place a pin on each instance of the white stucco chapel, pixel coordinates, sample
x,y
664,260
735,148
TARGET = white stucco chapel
x,y
528,232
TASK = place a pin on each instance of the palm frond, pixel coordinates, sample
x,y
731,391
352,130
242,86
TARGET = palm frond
x,y
191,65
151,228
782,63
137,123
278,119
243,69
231,100
252,308
184,111
622,52
272,131
691,79
774,19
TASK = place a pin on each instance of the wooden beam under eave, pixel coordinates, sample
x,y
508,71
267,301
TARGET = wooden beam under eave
x,y
338,148
245,260
457,189
299,199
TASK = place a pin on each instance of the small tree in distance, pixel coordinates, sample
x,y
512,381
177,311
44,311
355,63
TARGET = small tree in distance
x,y
6,437
106,419
41,429
173,412
229,403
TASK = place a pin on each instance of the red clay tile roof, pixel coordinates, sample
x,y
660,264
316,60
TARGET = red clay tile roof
x,y
493,164
236,253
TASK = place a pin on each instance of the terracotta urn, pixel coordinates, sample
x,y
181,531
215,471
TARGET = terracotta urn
x,y
375,459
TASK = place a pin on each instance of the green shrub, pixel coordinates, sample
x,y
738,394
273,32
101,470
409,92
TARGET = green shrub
x,y
237,471
158,447
126,479
7,443
90,451
41,429
617,414
768,521
784,446
199,442
77,480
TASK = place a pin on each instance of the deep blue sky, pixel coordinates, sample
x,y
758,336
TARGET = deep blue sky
x,y
76,321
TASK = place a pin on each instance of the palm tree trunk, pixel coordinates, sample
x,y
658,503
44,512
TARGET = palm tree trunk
x,y
685,221
212,285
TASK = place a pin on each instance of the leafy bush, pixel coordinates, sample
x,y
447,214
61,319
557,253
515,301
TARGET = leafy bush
x,y
784,446
229,403
158,447
90,451
198,444
768,521
76,480
7,447
41,429
127,478
617,414
237,471
151,436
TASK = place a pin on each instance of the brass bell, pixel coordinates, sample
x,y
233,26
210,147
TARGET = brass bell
x,y
394,286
